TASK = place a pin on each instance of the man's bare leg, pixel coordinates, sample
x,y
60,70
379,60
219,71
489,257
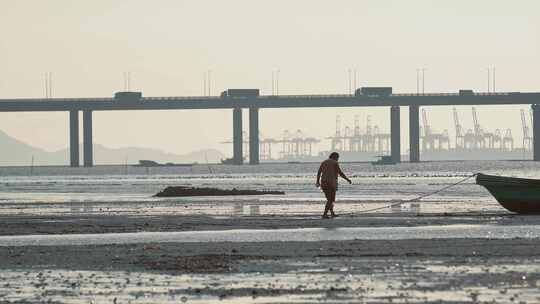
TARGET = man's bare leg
x,y
326,208
332,210
333,200
330,195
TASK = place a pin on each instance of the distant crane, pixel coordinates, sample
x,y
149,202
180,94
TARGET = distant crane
x,y
479,142
347,139
356,125
298,143
265,146
369,145
427,142
286,148
493,139
460,138
432,140
527,139
337,141
531,118
508,140
356,140
496,139
245,144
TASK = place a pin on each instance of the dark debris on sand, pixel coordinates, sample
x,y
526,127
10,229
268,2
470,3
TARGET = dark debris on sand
x,y
176,191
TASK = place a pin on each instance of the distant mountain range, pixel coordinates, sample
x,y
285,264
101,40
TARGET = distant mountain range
x,y
17,153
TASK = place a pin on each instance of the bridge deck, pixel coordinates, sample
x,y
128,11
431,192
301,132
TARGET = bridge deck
x,y
282,101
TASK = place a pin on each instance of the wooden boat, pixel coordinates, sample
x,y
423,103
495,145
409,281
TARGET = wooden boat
x,y
520,195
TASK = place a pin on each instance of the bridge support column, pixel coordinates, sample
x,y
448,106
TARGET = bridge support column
x,y
414,134
87,139
536,132
238,157
74,138
253,136
395,134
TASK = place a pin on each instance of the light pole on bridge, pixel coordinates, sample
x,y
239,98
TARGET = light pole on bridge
x,y
420,75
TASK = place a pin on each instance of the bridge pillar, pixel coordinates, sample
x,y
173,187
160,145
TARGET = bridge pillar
x,y
238,157
536,132
87,139
395,134
74,138
414,134
253,136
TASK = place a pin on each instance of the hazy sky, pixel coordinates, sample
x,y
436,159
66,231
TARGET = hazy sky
x,y
168,45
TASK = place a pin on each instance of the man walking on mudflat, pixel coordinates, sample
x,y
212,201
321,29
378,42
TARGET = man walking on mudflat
x,y
327,179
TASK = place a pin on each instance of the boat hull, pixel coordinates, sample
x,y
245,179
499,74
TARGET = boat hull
x,y
520,195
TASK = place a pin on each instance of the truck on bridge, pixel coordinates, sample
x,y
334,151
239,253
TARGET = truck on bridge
x,y
466,92
240,93
128,97
374,91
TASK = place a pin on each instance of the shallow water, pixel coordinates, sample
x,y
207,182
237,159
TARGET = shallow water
x,y
119,186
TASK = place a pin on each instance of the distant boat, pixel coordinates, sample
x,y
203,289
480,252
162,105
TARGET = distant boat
x,y
520,195
384,160
151,163
228,161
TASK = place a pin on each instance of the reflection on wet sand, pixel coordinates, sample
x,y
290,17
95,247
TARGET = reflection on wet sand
x,y
81,208
406,208
242,208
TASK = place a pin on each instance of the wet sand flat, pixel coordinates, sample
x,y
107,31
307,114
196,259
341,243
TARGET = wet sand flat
x,y
449,269
374,271
282,235
99,236
62,218
454,269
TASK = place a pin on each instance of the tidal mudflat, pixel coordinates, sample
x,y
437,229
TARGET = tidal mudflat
x,y
82,237
375,271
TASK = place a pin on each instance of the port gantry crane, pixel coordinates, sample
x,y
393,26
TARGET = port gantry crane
x,y
460,137
432,140
354,140
369,144
337,141
347,138
355,143
531,118
265,147
494,140
427,139
527,138
245,144
498,141
479,140
295,145
508,140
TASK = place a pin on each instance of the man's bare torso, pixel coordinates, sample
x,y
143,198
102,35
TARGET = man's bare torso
x,y
329,173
